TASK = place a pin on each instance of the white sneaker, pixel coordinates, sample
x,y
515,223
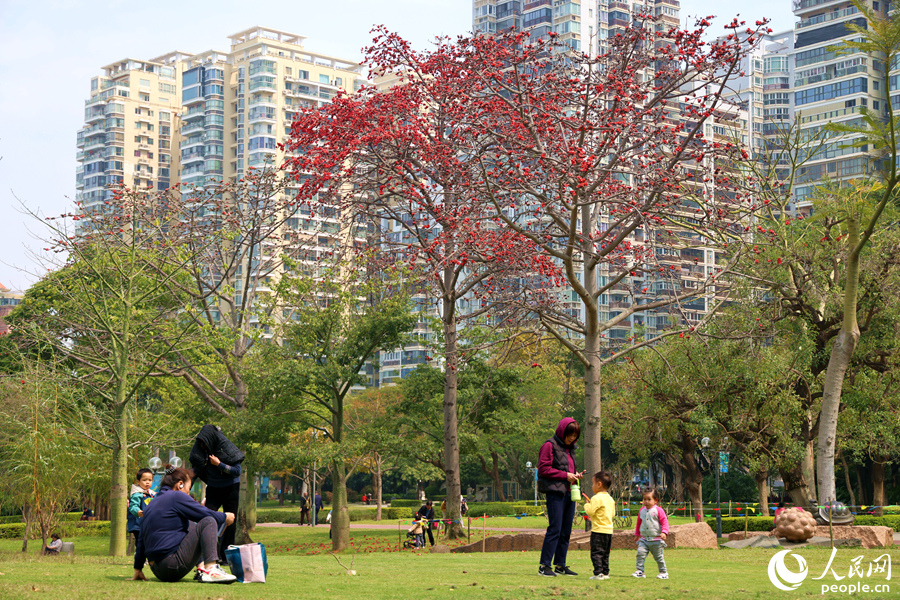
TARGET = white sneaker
x,y
599,577
662,576
638,574
215,574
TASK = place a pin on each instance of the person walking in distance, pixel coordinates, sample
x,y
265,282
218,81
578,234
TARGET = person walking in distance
x,y
317,506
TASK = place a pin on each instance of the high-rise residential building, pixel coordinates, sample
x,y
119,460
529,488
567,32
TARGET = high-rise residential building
x,y
586,26
8,301
831,87
201,118
130,128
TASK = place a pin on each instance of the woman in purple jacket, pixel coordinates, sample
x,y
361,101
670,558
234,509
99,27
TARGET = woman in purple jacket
x,y
556,474
178,534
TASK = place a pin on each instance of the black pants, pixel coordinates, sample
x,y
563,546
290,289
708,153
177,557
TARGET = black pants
x,y
600,544
228,499
198,545
430,535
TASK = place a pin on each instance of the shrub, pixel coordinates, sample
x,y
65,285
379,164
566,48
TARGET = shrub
x,y
503,509
892,521
66,529
732,524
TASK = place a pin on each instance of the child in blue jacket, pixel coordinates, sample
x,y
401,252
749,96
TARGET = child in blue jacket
x,y
138,498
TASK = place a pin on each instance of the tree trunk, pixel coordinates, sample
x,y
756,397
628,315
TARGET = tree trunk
x,y
677,478
878,497
693,478
454,529
795,485
246,515
762,484
847,478
26,516
376,486
860,488
494,473
808,464
841,353
340,515
590,429
118,492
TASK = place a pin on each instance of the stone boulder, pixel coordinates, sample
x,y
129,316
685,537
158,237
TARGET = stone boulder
x,y
756,541
739,535
692,535
869,536
440,549
795,525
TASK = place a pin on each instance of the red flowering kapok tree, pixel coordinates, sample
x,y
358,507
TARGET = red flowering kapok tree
x,y
402,156
607,165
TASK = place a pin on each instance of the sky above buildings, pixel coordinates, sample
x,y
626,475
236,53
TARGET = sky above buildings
x,y
50,49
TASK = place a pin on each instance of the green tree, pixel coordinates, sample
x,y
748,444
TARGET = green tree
x,y
109,313
337,324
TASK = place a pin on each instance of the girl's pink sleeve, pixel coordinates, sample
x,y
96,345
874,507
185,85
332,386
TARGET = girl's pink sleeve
x,y
637,528
663,521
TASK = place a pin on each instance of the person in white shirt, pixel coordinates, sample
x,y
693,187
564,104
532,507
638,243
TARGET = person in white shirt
x,y
54,546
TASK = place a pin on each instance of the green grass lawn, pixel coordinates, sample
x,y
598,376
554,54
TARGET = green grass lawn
x,y
299,566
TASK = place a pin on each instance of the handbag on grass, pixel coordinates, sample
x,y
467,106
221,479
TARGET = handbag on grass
x,y
248,562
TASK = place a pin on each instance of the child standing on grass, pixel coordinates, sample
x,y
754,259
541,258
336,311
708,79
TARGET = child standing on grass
x,y
650,534
139,496
601,509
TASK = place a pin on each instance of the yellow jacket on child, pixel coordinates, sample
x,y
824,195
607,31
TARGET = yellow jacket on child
x,y
601,509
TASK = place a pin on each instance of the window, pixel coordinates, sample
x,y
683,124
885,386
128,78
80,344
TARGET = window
x,y
324,79
145,83
287,71
339,81
301,74
167,88
143,97
831,91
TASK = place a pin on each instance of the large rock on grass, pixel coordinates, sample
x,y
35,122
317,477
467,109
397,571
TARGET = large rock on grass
x,y
869,536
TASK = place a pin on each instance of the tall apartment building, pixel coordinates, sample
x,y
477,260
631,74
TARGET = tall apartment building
x,y
583,26
200,118
586,27
8,301
830,88
130,128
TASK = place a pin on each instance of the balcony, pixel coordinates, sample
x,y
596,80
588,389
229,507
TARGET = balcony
x,y
192,126
804,6
826,17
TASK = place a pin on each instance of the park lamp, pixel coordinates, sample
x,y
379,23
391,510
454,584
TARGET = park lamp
x,y
704,443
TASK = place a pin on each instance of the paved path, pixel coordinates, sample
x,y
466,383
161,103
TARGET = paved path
x,y
394,526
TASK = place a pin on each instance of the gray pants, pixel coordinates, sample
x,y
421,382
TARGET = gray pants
x,y
198,545
653,547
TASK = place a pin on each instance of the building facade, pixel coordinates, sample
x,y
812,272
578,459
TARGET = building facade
x,y
8,301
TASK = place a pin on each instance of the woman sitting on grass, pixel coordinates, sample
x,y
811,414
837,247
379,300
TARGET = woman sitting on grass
x,y
54,546
178,534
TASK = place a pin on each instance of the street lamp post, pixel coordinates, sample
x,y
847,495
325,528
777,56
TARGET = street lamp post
x,y
705,444
530,468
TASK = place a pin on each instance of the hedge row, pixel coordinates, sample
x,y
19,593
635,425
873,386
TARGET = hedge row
x,y
357,513
66,529
732,524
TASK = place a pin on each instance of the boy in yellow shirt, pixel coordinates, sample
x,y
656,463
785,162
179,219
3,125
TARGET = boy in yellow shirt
x,y
601,509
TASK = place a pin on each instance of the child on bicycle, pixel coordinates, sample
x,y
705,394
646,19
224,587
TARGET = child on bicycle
x,y
650,533
601,509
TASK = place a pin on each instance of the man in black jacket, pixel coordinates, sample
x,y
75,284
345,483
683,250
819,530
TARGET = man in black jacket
x,y
216,461
427,512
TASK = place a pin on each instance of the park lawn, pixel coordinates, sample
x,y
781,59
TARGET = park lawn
x,y
295,572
